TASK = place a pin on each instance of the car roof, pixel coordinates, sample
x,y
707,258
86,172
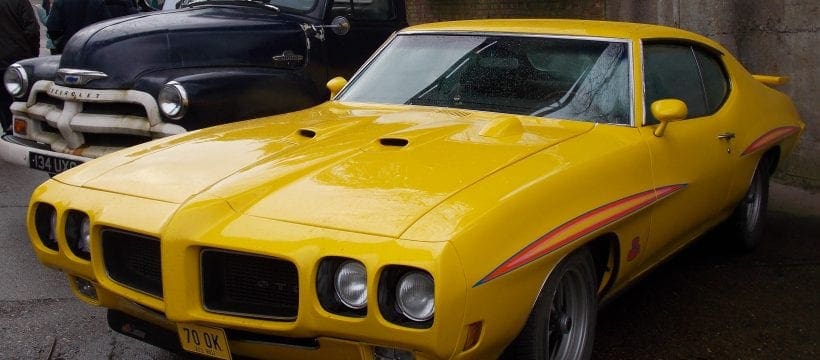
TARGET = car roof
x,y
589,28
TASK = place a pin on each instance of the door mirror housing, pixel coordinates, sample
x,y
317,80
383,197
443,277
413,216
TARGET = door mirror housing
x,y
335,85
340,25
666,111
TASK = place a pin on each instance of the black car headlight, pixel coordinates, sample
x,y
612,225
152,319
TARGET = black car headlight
x,y
78,234
15,80
173,100
414,296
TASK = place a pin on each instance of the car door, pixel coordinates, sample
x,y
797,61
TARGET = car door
x,y
371,23
696,152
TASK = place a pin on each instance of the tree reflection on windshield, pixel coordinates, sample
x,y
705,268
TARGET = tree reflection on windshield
x,y
577,79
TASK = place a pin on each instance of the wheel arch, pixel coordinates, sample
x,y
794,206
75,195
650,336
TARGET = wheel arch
x,y
773,156
605,251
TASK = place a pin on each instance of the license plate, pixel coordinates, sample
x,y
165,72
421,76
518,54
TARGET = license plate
x,y
204,340
50,164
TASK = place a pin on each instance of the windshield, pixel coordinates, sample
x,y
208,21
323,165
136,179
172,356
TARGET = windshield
x,y
299,5
576,79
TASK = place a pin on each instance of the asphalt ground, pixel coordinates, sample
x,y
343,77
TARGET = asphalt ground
x,y
706,303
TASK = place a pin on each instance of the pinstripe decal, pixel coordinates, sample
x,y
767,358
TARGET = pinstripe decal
x,y
580,226
770,138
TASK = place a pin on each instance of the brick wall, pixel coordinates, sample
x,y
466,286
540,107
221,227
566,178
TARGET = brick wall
x,y
422,11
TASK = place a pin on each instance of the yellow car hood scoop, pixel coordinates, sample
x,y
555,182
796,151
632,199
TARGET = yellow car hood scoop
x,y
373,173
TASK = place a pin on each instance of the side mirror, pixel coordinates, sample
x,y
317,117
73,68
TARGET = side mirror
x,y
335,85
666,111
339,25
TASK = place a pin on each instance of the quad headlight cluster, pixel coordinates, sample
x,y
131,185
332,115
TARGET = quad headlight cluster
x,y
76,228
15,80
405,295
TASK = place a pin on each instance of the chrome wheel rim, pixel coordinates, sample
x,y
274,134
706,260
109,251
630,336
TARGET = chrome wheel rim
x,y
752,204
569,317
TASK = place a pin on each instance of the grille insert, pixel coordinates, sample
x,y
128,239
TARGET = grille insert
x,y
133,260
249,285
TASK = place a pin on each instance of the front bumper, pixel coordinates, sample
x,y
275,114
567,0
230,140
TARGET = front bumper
x,y
18,151
208,223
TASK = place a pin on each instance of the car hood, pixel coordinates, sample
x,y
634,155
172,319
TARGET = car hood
x,y
366,169
206,35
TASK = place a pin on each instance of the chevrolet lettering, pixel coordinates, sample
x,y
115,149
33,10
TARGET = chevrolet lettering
x,y
73,94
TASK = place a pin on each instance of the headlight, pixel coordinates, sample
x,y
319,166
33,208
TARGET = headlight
x,y
78,234
16,80
173,100
414,295
351,284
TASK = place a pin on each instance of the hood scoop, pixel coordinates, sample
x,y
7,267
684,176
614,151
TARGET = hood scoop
x,y
307,133
503,126
394,142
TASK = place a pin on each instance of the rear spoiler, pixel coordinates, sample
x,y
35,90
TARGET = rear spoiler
x,y
772,80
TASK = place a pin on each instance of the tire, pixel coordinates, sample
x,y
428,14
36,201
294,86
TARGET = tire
x,y
746,225
561,325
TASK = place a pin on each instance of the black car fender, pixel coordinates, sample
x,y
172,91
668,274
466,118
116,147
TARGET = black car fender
x,y
219,95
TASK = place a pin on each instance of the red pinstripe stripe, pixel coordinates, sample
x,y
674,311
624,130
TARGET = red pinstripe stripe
x,y
531,252
770,137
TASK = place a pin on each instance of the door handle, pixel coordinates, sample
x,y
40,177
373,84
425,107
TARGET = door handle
x,y
726,136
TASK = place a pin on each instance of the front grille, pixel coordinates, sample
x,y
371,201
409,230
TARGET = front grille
x,y
115,140
46,127
44,98
249,285
133,260
115,109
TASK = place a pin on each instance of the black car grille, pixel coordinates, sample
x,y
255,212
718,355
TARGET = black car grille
x,y
249,285
133,260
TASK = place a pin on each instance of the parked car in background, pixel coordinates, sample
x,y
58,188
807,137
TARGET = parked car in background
x,y
129,80
474,192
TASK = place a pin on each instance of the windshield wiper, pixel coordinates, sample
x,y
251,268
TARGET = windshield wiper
x,y
263,3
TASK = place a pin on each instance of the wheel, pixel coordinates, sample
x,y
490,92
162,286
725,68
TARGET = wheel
x,y
562,322
745,226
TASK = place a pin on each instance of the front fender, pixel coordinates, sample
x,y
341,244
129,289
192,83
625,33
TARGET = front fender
x,y
218,96
39,68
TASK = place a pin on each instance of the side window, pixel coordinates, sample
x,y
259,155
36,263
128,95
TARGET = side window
x,y
367,10
671,71
715,81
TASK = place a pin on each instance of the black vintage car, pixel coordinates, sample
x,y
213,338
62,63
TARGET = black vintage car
x,y
132,79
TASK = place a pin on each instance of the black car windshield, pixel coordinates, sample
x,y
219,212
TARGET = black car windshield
x,y
299,5
565,78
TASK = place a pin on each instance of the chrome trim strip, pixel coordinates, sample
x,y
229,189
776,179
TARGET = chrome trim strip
x,y
79,76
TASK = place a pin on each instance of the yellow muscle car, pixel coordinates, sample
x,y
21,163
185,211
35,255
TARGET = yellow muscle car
x,y
474,192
